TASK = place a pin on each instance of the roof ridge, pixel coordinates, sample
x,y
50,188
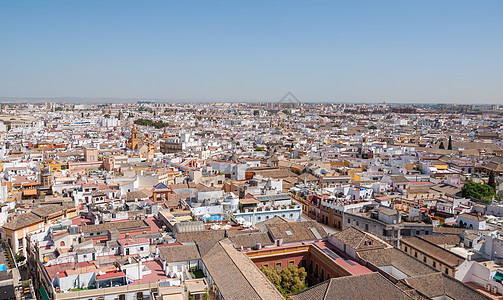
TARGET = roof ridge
x,y
443,283
327,289
240,271
361,240
447,251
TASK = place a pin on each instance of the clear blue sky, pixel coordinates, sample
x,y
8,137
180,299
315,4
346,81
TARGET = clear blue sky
x,y
366,51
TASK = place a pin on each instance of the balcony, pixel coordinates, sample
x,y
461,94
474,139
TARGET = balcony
x,y
108,291
276,208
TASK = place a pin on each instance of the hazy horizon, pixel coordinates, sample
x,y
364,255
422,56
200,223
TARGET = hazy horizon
x,y
104,100
224,51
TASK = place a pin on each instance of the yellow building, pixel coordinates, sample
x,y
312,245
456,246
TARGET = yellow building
x,y
23,224
354,174
53,166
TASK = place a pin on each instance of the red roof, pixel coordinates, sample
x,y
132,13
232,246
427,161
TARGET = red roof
x,y
113,274
132,241
347,263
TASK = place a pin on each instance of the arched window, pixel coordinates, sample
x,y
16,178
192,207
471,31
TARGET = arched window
x,y
62,244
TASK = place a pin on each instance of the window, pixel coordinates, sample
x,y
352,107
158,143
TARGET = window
x,y
322,273
265,265
302,263
415,254
139,296
278,266
434,264
406,249
122,297
367,227
424,259
349,221
141,248
316,271
328,276
446,271
291,263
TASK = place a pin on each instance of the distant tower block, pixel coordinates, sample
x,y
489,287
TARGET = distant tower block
x,y
289,101
90,154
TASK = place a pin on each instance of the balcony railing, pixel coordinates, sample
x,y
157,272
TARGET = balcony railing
x,y
106,291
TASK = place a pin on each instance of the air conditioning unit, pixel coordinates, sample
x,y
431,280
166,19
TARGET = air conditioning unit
x,y
495,289
488,287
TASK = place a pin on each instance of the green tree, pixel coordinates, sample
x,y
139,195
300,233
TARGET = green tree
x,y
449,146
146,122
441,145
59,108
19,257
272,275
478,191
373,127
293,279
9,127
256,112
288,281
491,182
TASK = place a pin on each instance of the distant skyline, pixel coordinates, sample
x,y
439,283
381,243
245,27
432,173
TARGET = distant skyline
x,y
216,51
